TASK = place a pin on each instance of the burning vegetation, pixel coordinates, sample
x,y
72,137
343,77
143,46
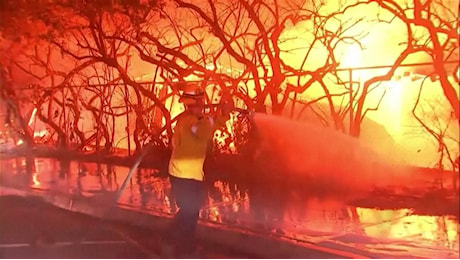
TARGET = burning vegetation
x,y
100,75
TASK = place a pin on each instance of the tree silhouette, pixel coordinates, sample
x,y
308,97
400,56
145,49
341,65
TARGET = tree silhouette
x,y
440,43
119,60
441,127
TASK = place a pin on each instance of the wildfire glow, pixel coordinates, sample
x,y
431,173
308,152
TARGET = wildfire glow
x,y
400,224
35,180
40,133
380,43
393,101
352,57
32,116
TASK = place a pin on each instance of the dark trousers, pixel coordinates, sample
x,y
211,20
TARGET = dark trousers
x,y
189,196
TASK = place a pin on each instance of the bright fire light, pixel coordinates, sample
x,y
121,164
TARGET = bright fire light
x,y
352,57
40,133
35,179
393,101
210,66
32,116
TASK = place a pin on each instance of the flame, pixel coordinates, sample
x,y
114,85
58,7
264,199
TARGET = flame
x,y
40,133
32,116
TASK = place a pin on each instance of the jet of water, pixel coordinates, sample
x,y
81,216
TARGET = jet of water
x,y
322,156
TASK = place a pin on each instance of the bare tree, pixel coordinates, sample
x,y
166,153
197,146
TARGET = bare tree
x,y
440,20
15,116
441,127
440,43
76,29
241,51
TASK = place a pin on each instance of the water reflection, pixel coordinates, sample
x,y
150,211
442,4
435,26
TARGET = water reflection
x,y
256,205
64,168
401,224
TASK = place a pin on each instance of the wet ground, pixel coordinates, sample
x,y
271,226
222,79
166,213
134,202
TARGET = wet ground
x,y
296,213
31,228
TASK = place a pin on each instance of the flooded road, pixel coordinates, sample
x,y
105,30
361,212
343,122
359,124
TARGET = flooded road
x,y
270,208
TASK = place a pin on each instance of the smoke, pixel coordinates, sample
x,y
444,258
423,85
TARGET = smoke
x,y
322,156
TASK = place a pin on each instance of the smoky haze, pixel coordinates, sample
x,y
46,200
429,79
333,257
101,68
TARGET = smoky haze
x,y
323,157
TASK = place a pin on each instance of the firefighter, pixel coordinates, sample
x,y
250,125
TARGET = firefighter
x,y
192,137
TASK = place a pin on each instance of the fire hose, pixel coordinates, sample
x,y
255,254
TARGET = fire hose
x,y
243,112
145,151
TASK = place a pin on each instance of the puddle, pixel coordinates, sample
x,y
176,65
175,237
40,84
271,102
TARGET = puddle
x,y
288,212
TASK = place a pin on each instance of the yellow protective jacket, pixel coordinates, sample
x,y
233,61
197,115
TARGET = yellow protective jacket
x,y
190,141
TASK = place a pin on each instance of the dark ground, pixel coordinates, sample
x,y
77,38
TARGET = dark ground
x,y
30,228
